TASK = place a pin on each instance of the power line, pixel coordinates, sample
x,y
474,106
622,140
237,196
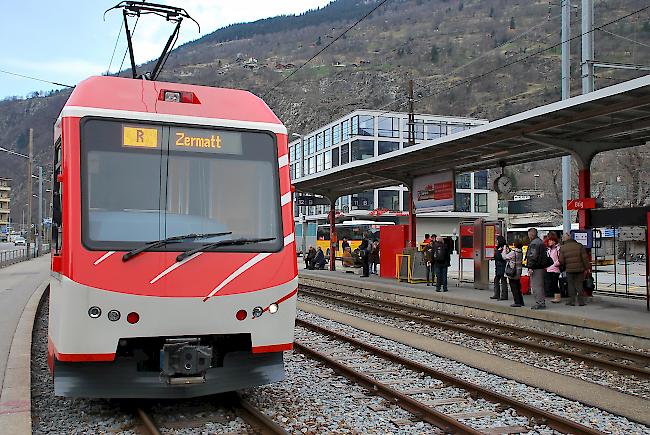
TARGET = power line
x,y
380,4
625,37
455,70
538,52
36,78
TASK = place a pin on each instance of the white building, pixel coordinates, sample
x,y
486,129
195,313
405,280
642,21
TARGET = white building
x,y
368,133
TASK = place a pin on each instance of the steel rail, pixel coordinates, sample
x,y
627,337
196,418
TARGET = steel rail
x,y
148,423
509,334
257,419
539,416
419,409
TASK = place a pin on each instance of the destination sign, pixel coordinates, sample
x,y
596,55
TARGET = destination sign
x,y
140,137
205,141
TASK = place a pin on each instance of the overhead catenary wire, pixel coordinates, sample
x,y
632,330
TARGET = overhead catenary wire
x,y
380,4
522,59
476,59
35,78
626,38
536,53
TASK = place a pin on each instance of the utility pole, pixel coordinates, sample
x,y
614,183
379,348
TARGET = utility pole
x,y
411,123
29,191
40,210
587,46
566,93
411,141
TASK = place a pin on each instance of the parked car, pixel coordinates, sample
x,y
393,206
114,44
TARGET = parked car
x,y
20,241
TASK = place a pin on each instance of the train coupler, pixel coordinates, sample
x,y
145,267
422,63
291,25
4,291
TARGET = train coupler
x,y
185,360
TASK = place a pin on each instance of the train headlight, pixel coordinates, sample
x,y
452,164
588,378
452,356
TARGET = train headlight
x,y
94,312
257,312
114,315
172,97
273,308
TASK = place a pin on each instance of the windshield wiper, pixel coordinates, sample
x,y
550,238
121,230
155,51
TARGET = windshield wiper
x,y
230,242
174,239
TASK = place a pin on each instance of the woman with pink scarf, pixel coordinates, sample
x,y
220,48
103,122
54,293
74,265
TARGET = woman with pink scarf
x,y
553,271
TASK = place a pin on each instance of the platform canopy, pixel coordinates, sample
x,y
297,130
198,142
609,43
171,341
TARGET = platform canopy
x,y
610,118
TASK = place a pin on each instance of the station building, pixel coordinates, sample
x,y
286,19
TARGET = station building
x,y
5,200
363,134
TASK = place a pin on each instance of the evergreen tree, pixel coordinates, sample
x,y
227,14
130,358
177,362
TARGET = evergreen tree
x,y
319,42
491,15
512,23
435,54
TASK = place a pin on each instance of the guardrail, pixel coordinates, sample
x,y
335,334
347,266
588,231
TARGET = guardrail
x,y
14,256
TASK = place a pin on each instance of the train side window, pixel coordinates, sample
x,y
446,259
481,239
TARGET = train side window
x,y
57,214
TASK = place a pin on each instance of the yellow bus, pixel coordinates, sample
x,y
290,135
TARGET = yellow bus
x,y
351,230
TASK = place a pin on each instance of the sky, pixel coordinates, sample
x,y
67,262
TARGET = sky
x,y
68,40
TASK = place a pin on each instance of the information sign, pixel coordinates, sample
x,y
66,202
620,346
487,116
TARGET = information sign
x,y
584,237
434,192
308,201
581,204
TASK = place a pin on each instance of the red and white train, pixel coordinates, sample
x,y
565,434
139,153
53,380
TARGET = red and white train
x,y
174,266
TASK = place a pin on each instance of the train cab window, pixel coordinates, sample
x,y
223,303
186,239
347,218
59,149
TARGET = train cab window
x,y
158,181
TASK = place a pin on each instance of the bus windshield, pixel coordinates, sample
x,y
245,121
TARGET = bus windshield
x,y
144,182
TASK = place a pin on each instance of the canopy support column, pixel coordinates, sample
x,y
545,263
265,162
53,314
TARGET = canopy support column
x,y
334,243
412,219
584,191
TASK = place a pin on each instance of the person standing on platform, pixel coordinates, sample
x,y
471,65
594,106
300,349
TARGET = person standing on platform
x,y
319,259
553,271
441,263
375,256
535,259
428,258
364,254
514,259
345,244
573,257
500,283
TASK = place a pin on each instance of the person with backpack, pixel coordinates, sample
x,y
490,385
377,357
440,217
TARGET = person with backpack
x,y
500,284
428,258
514,259
573,257
537,260
441,263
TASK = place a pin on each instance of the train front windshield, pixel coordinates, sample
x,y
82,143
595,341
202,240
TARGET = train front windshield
x,y
145,182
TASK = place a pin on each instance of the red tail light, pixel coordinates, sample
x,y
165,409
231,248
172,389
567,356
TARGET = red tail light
x,y
133,317
241,314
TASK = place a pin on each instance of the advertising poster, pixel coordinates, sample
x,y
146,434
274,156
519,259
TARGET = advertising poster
x,y
434,192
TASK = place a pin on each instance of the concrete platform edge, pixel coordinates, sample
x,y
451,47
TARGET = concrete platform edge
x,y
445,302
631,407
15,397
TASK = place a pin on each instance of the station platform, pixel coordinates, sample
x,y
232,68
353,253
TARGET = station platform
x,y
21,288
618,320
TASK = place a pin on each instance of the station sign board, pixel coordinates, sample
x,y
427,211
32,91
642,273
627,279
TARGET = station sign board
x,y
582,204
434,192
584,237
360,202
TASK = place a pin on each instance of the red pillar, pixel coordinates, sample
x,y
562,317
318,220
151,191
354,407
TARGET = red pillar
x,y
584,191
334,243
412,220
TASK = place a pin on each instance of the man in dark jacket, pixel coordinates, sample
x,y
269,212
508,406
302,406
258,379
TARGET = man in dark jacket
x,y
574,259
364,254
319,259
536,270
500,283
441,262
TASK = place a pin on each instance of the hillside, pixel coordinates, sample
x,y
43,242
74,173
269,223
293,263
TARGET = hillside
x,y
438,43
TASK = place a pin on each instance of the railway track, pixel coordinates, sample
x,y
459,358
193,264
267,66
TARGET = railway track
x,y
612,358
259,422
369,365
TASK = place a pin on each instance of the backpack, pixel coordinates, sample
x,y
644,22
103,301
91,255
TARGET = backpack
x,y
439,252
545,260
